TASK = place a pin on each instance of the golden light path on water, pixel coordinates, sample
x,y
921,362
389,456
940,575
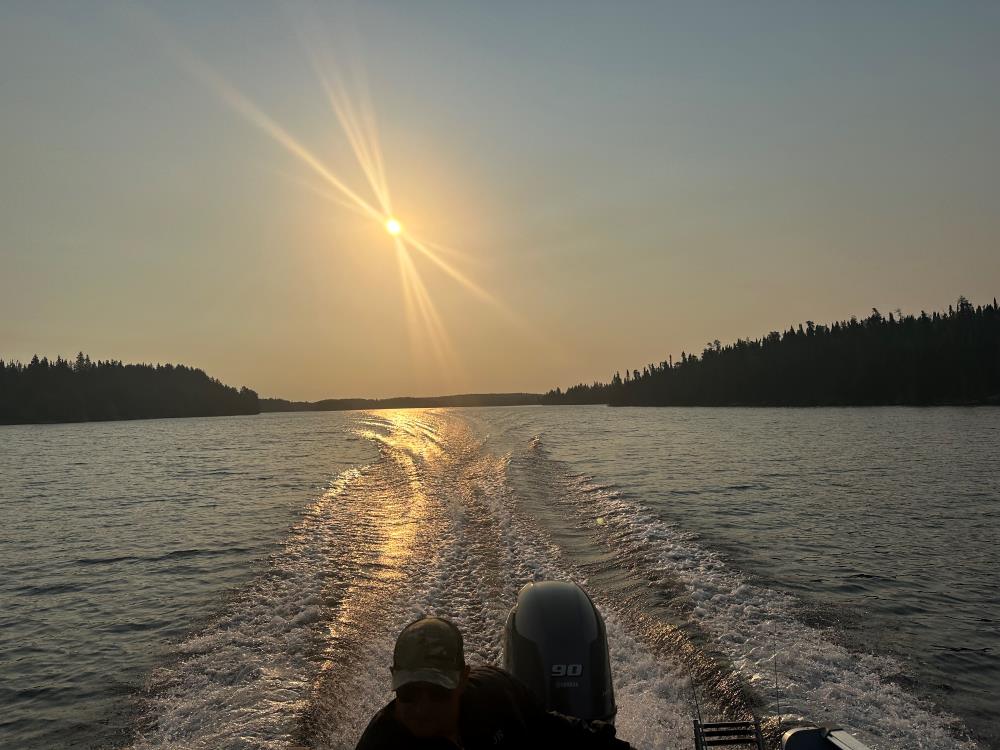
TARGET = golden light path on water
x,y
456,511
437,529
356,119
395,519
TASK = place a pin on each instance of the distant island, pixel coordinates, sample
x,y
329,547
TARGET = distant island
x,y
942,358
402,402
84,390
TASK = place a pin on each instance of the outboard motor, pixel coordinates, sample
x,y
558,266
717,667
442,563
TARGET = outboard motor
x,y
819,738
556,644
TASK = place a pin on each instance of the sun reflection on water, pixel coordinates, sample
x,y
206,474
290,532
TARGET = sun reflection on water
x,y
395,527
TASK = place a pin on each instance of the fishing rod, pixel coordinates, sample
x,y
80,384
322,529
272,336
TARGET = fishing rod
x,y
694,693
777,692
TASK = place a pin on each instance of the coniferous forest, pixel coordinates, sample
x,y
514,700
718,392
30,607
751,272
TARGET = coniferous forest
x,y
951,357
82,390
937,358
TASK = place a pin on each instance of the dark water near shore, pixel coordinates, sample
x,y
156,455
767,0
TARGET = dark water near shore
x,y
237,582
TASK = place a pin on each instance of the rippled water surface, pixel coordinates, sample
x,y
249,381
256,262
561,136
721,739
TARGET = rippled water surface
x,y
238,582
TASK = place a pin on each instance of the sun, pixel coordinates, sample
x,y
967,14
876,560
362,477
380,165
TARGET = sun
x,y
393,227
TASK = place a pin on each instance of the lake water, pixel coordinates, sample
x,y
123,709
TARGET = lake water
x,y
238,582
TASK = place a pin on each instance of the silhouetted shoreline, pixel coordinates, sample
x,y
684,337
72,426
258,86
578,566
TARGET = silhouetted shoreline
x,y
45,391
940,359
402,402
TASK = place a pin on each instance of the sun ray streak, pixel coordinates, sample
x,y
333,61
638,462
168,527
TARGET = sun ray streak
x,y
452,271
204,73
328,195
361,132
512,317
453,252
369,121
436,332
363,119
358,140
362,147
430,330
411,313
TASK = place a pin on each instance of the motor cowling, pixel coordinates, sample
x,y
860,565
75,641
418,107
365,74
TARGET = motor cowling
x,y
555,642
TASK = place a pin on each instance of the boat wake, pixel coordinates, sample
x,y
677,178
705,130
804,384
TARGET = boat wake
x,y
446,522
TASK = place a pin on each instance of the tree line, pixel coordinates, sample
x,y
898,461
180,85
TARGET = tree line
x,y
83,390
949,357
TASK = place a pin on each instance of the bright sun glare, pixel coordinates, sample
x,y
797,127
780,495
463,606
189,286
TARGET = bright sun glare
x,y
357,122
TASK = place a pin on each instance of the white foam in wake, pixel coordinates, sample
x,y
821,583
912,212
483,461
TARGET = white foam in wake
x,y
244,679
488,550
820,680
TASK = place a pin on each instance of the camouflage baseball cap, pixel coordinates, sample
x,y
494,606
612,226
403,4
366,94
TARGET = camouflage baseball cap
x,y
428,650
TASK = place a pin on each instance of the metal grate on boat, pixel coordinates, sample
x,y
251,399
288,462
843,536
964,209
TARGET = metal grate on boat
x,y
728,733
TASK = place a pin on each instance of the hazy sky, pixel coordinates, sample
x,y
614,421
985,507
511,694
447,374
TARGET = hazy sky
x,y
619,181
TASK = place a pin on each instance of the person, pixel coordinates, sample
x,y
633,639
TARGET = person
x,y
441,703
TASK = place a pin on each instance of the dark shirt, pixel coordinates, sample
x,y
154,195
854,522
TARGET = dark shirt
x,y
497,711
